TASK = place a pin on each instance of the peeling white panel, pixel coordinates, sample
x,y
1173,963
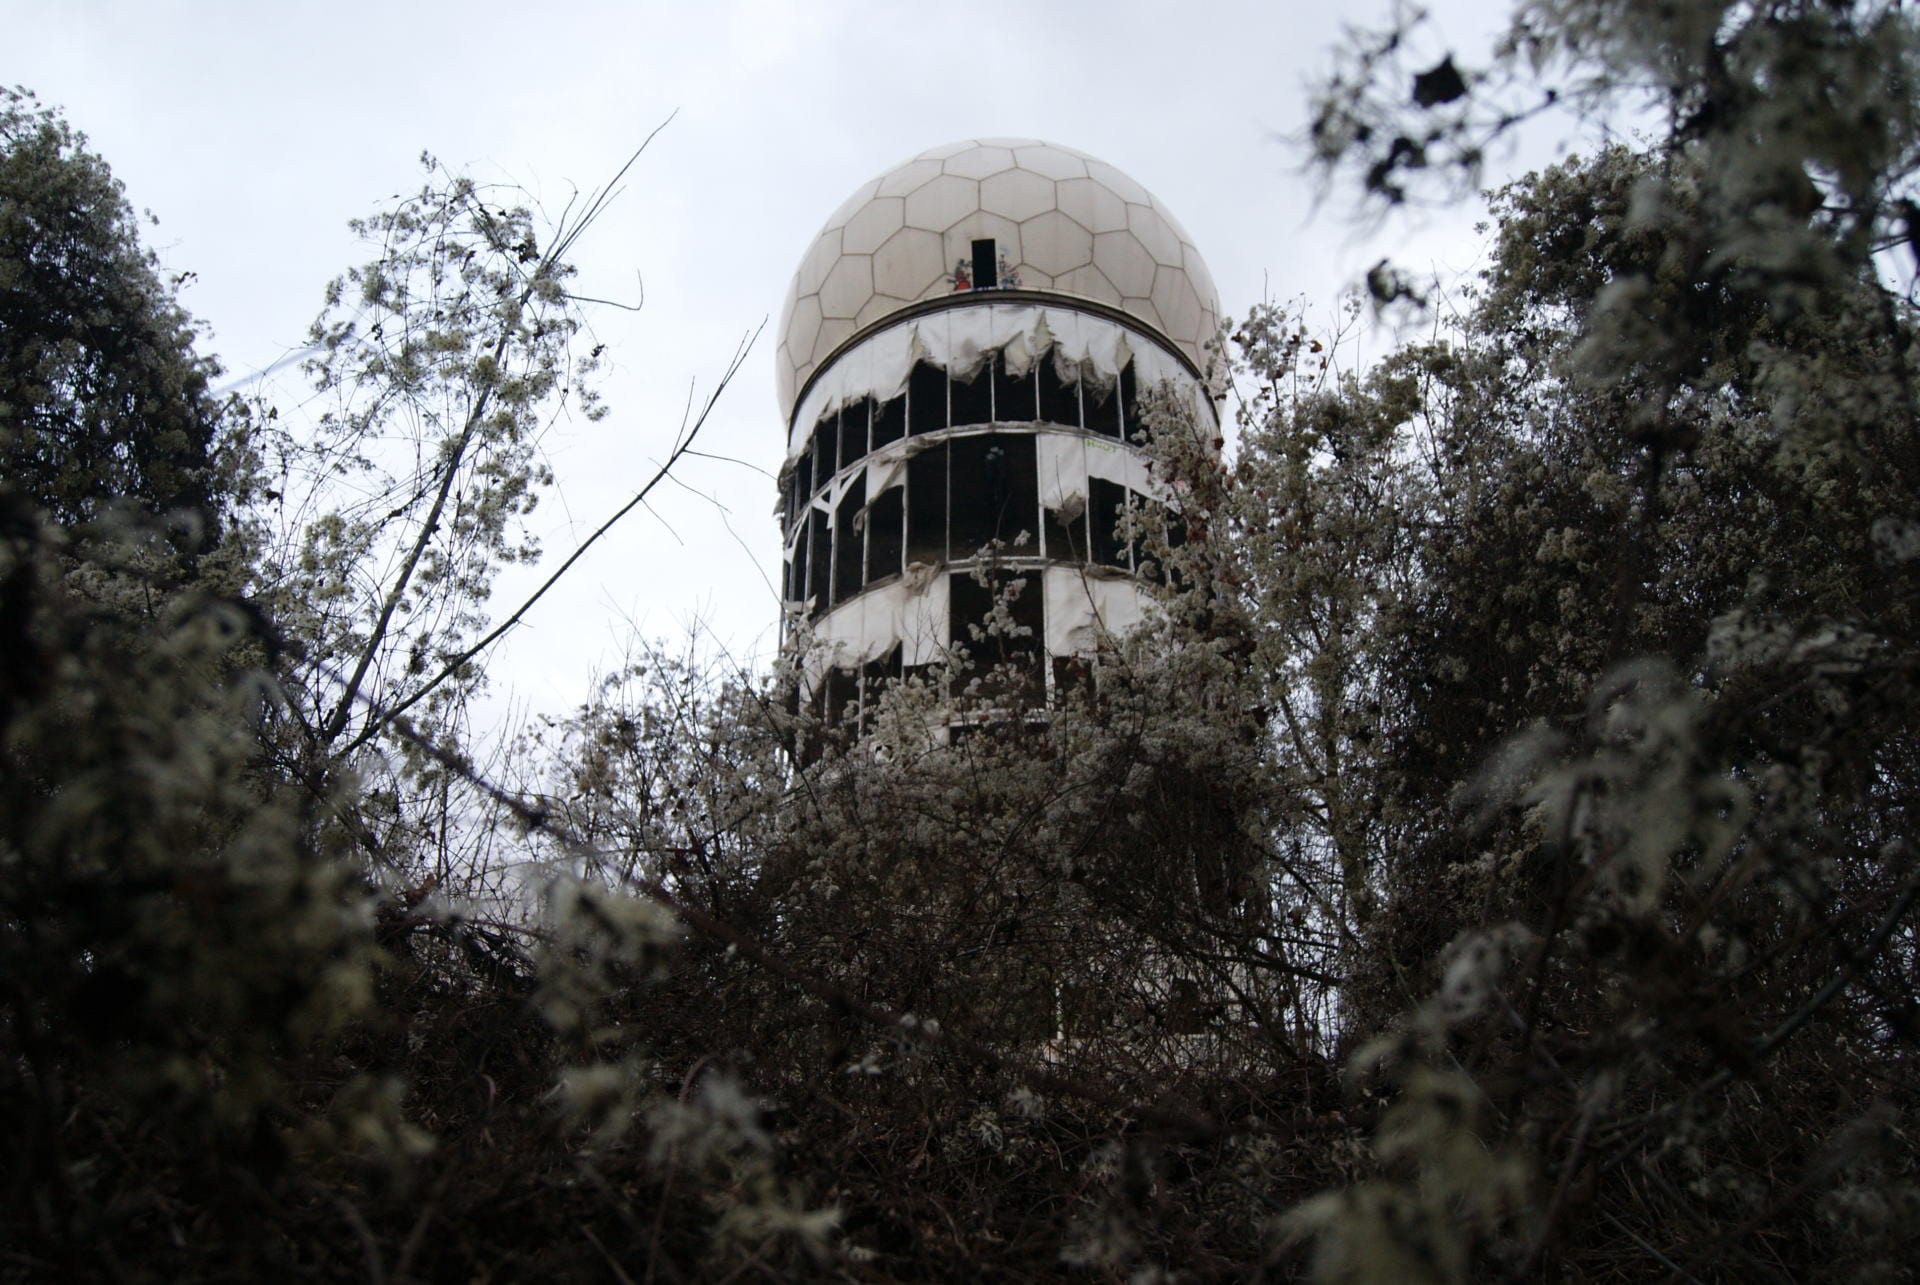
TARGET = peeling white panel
x,y
837,489
1122,464
1062,459
886,467
958,341
912,612
922,620
1085,603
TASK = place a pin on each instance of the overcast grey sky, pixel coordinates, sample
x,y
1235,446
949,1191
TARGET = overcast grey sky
x,y
255,131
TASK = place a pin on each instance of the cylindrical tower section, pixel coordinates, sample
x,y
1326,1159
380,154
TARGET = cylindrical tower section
x,y
962,359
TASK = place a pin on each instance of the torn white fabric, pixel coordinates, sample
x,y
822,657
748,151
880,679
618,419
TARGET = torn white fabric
x,y
1084,348
798,535
1108,459
911,611
1062,460
886,467
1084,604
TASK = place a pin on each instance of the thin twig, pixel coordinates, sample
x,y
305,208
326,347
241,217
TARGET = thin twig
x,y
382,718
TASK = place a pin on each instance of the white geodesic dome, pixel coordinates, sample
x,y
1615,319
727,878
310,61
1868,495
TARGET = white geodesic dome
x,y
1063,221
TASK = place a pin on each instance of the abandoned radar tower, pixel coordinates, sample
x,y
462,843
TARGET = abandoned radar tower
x,y
961,363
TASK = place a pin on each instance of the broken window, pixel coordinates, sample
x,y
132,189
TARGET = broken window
x,y
819,557
1065,530
803,480
986,269
1106,505
843,695
1133,429
972,402
1177,533
970,616
927,505
1059,400
875,677
996,490
1101,407
886,537
796,581
853,430
1015,397
849,558
926,398
826,438
889,421
1071,674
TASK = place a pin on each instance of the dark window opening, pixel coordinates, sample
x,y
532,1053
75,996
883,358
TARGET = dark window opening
x,y
926,398
1067,537
1130,405
1176,540
970,608
885,534
996,490
927,505
986,269
797,568
1059,400
889,421
972,402
786,579
1015,399
1132,554
875,677
819,558
1101,407
853,430
803,481
825,446
1159,521
843,694
1071,675
1106,503
849,560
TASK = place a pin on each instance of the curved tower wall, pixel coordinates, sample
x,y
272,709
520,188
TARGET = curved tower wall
x,y
980,426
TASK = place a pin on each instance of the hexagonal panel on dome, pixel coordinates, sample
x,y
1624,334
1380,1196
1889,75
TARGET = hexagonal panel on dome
x,y
802,327
873,223
1050,162
938,204
848,287
1054,243
1125,261
912,175
1061,220
1016,194
980,225
1089,282
911,264
979,161
1095,208
1160,240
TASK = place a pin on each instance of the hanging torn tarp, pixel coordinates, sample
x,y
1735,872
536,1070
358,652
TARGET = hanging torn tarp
x,y
1083,349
